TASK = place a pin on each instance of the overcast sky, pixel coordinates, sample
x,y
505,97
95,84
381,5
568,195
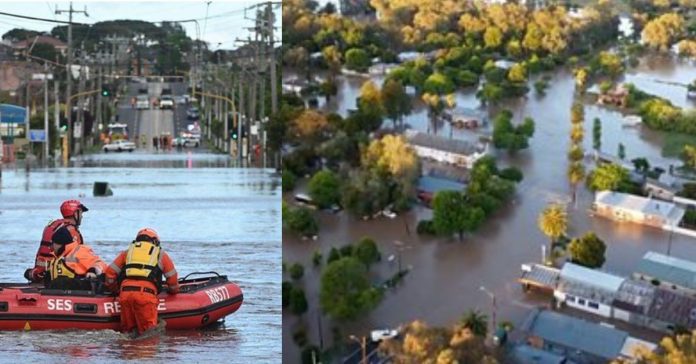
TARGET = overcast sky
x,y
225,18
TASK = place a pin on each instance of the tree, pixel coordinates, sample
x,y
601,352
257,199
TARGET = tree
x,y
622,151
452,213
587,250
475,321
332,56
553,222
511,174
607,177
357,59
45,51
297,301
296,271
597,134
507,136
301,221
438,84
680,349
517,73
576,172
366,251
287,288
689,156
493,37
580,79
641,165
309,123
334,255
324,189
396,101
662,31
346,291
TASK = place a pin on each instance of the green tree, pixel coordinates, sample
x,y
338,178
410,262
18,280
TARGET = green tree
x,y
511,174
452,213
287,288
296,271
396,101
689,156
297,301
357,59
334,255
576,172
438,84
597,134
553,222
475,321
641,165
346,291
587,250
289,179
607,177
366,251
622,151
301,221
507,136
324,189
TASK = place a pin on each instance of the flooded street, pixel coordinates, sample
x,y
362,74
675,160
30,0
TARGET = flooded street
x,y
447,274
209,219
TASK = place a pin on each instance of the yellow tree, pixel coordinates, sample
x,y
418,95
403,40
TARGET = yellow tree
x,y
553,222
679,350
661,32
493,37
576,173
517,73
309,124
471,23
580,79
687,48
393,154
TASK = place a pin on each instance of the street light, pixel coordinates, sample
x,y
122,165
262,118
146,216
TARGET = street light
x,y
360,341
400,246
492,296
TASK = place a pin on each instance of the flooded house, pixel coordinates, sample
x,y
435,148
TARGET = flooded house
x,y
465,118
580,341
637,209
672,273
449,151
428,186
659,189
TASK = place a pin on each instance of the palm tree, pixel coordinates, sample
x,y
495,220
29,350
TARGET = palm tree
x,y
577,133
576,172
553,222
475,321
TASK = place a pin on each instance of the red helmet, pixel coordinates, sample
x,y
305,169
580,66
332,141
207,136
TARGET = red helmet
x,y
69,207
147,234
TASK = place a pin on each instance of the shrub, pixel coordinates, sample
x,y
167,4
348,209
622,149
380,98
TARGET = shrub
x,y
300,337
296,271
316,258
425,227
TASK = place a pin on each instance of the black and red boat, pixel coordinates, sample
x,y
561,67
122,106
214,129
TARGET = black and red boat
x,y
201,302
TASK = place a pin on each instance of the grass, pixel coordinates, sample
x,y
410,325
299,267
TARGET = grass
x,y
674,143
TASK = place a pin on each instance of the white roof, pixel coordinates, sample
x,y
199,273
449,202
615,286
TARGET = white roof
x,y
670,261
591,277
635,203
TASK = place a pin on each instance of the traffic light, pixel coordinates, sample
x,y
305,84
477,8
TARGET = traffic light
x,y
105,91
234,135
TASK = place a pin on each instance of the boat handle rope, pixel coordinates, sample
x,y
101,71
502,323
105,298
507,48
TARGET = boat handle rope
x,y
199,273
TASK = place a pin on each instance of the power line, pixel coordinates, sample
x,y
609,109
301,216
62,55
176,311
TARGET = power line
x,y
40,19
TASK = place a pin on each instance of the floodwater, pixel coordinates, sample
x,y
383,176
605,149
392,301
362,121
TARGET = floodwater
x,y
447,274
209,219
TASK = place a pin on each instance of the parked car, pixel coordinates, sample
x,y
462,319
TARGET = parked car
x,y
379,335
142,102
187,141
119,146
166,102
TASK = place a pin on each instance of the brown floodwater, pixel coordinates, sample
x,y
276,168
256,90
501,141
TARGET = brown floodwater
x,y
446,273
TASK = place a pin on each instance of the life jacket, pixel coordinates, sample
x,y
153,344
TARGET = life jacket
x,y
59,269
75,262
142,259
45,253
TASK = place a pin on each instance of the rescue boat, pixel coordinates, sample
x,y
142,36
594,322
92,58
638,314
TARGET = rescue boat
x,y
201,302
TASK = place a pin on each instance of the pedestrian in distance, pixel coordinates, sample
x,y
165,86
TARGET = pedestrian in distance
x,y
137,272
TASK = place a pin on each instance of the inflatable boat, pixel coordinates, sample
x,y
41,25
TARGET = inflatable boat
x,y
201,302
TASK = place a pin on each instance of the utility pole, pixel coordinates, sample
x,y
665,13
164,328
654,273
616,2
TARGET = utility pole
x,y
241,118
45,158
80,105
68,91
56,116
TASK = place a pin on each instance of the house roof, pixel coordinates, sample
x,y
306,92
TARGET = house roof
x,y
581,335
525,354
635,203
41,39
668,269
456,146
591,277
433,184
674,308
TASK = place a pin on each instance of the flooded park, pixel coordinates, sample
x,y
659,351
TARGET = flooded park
x,y
446,274
209,218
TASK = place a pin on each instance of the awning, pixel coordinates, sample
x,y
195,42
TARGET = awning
x,y
12,114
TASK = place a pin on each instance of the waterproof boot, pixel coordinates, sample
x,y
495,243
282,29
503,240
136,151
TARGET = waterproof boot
x,y
153,331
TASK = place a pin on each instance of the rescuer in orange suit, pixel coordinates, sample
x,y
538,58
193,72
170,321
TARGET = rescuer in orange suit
x,y
139,270
72,218
73,262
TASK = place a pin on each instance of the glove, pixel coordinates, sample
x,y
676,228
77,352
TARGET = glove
x,y
91,275
28,274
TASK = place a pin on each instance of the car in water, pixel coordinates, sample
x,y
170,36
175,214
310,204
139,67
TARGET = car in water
x,y
142,102
119,146
379,335
166,102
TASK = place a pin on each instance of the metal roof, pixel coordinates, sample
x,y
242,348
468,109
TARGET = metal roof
x,y
591,277
641,204
668,269
456,146
525,354
585,336
433,184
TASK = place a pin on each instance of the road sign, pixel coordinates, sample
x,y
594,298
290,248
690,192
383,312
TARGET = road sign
x,y
77,130
255,129
41,76
37,135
